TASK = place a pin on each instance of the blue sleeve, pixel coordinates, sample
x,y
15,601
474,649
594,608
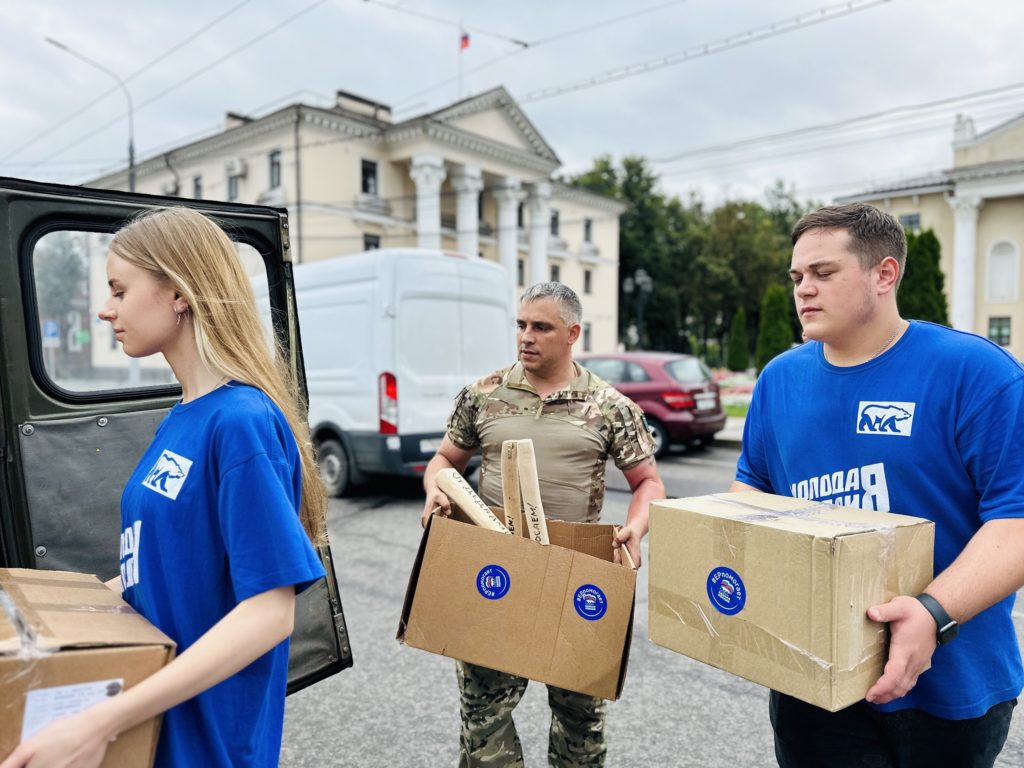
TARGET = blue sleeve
x,y
990,446
752,467
266,544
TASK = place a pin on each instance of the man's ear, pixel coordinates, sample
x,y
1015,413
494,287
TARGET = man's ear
x,y
574,333
888,271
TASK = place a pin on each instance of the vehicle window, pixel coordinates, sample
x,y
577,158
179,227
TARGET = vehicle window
x,y
612,371
636,372
687,370
80,353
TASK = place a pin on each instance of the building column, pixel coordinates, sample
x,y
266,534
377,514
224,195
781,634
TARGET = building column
x,y
539,206
468,181
965,246
427,171
507,195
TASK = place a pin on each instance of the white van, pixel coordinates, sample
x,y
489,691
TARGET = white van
x,y
389,337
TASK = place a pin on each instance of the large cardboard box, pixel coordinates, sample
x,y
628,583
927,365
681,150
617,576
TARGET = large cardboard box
x,y
560,614
66,642
776,589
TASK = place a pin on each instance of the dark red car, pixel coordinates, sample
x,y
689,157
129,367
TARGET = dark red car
x,y
677,393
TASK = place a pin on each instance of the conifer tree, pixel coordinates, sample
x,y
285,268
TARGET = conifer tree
x,y
775,330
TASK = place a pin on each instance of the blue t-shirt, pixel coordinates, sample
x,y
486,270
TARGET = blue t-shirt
x,y
932,429
209,519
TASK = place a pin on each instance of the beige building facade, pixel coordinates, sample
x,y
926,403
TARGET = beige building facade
x,y
976,210
475,177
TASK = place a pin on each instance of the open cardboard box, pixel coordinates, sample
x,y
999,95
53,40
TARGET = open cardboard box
x,y
560,614
66,642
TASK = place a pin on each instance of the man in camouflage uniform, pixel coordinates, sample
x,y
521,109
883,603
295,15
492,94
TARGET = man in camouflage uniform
x,y
576,421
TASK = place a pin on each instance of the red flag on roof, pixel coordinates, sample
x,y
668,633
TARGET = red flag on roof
x,y
464,41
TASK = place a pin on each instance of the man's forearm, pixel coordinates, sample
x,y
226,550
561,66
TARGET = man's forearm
x,y
989,568
645,492
434,466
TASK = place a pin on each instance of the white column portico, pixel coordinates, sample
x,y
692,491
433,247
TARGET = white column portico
x,y
467,181
507,195
539,206
427,171
965,246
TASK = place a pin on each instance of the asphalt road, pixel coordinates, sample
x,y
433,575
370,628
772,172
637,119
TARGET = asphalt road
x,y
398,705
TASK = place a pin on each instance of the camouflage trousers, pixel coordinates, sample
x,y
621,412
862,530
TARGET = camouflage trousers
x,y
489,739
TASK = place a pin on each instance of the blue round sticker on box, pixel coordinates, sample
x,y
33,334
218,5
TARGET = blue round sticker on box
x,y
726,590
493,582
590,602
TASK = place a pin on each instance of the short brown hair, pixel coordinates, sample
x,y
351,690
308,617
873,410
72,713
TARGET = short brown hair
x,y
874,234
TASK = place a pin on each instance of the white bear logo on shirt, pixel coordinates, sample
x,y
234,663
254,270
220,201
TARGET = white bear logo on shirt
x,y
168,474
885,418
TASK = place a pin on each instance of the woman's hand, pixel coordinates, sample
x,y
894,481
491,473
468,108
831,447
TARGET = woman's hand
x,y
74,742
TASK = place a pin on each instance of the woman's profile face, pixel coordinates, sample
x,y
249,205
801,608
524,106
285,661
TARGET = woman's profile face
x,y
141,308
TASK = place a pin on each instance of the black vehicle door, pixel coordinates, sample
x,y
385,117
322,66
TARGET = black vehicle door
x,y
76,413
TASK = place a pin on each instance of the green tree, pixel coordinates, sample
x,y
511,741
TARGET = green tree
x,y
921,295
738,356
775,330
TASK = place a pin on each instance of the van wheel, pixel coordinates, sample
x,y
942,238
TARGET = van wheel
x,y
334,467
661,441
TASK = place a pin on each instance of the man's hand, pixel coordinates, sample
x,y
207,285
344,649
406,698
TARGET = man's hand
x,y
436,504
911,646
630,536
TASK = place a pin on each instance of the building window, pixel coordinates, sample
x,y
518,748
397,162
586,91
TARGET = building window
x,y
197,187
588,230
1003,273
370,186
911,222
520,273
519,216
371,242
999,330
556,273
586,337
480,207
275,169
232,188
554,222
588,283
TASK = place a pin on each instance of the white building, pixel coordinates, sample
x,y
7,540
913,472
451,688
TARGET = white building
x,y
474,177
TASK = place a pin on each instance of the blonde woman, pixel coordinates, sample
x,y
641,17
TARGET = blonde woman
x,y
218,516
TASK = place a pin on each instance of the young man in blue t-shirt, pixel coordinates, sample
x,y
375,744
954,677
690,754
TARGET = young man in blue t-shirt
x,y
910,417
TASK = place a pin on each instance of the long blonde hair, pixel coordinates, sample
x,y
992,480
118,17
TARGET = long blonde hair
x,y
197,257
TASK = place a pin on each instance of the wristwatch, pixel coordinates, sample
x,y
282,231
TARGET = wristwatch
x,y
947,626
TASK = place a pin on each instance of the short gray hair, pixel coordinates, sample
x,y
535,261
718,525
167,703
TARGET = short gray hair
x,y
569,307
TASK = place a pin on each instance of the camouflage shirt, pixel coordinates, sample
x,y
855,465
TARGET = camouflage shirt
x,y
574,431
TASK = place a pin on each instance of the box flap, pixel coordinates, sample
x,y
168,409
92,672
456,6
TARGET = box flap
x,y
57,609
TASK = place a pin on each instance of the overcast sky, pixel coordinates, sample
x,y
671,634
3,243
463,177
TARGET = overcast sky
x,y
879,57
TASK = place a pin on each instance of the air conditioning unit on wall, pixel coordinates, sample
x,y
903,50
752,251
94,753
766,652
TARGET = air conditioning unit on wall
x,y
236,166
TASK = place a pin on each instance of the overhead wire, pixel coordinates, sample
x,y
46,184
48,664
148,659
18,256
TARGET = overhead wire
x,y
146,67
532,45
827,13
197,73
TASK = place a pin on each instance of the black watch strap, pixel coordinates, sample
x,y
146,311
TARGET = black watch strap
x,y
947,627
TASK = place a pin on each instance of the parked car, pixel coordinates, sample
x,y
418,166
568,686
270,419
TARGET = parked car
x,y
677,393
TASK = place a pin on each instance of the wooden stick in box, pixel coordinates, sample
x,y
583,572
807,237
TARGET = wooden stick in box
x,y
454,486
510,485
533,508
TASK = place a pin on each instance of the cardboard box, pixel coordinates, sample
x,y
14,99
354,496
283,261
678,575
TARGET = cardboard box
x,y
66,642
560,614
776,589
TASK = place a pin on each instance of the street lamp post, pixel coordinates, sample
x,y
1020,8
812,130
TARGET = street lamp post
x,y
127,95
639,286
